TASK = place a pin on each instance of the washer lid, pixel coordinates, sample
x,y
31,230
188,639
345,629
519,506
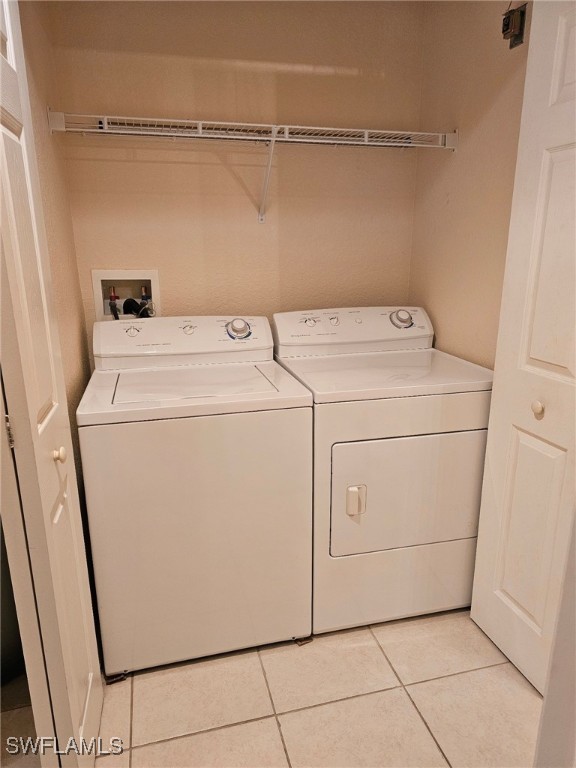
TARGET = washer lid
x,y
115,397
341,378
186,383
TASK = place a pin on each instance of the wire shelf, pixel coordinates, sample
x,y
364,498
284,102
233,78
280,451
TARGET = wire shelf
x,y
270,135
284,134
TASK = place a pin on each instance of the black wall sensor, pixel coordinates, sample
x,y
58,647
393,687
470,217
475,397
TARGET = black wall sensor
x,y
513,25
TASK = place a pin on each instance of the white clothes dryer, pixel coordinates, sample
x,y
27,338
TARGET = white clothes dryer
x,y
197,460
399,442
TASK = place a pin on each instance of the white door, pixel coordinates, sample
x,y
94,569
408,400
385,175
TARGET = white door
x,y
21,577
528,488
35,394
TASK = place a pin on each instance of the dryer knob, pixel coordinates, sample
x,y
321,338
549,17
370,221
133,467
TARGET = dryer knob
x,y
310,321
401,318
132,330
238,328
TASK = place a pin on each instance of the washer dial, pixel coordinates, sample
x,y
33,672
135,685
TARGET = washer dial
x,y
401,318
238,328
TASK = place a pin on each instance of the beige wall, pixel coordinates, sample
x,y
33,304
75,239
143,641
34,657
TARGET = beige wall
x,y
344,226
474,82
339,224
65,282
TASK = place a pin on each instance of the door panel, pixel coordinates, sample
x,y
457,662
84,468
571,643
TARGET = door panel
x,y
70,602
564,73
30,284
552,343
10,106
530,517
10,112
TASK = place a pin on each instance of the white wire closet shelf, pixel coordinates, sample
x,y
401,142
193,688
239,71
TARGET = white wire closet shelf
x,y
224,131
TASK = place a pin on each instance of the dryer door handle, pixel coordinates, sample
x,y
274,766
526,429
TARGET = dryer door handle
x,y
355,500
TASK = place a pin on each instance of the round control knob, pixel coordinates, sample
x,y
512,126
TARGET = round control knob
x,y
188,329
238,328
401,318
132,331
310,322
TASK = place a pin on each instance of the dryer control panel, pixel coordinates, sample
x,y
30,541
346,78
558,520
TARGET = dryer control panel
x,y
352,329
188,340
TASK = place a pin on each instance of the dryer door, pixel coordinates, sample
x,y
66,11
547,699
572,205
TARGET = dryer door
x,y
406,491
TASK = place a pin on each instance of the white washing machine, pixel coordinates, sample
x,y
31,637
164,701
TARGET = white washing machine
x,y
197,461
399,442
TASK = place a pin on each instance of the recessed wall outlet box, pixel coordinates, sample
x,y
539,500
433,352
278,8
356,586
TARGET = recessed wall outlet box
x,y
125,284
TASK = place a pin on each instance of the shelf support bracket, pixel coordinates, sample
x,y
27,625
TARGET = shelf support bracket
x,y
56,121
262,210
451,141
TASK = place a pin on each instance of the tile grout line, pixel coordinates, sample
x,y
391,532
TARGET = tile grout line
x,y
199,733
421,716
383,652
344,698
455,674
411,700
274,709
438,677
266,717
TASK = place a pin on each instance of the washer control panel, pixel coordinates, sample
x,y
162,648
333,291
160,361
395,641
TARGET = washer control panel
x,y
351,329
181,341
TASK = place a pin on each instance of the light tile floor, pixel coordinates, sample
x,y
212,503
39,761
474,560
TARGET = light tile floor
x,y
16,720
432,691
